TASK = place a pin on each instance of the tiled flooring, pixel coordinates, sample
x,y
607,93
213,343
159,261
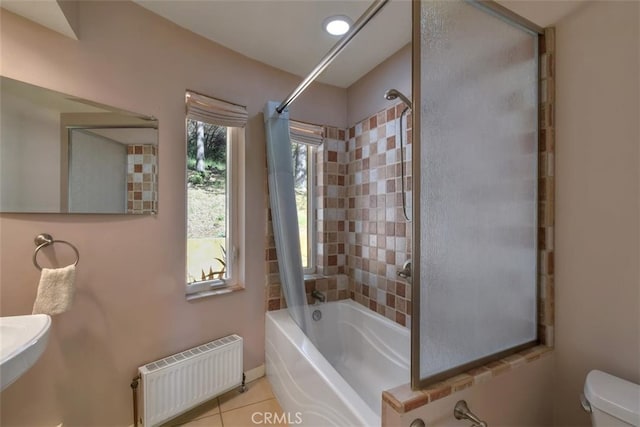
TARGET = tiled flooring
x,y
235,409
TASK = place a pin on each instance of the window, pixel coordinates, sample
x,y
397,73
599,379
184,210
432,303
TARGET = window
x,y
303,184
304,139
214,134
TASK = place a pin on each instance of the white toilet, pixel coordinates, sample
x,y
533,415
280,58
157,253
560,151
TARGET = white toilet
x,y
612,401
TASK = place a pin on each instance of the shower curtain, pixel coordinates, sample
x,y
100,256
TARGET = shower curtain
x,y
284,213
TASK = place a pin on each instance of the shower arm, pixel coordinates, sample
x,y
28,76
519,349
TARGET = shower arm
x,y
372,11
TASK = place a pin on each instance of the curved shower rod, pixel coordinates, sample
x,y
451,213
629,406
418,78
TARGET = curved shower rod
x,y
333,53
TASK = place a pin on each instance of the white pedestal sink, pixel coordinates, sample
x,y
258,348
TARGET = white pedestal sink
x,y
22,341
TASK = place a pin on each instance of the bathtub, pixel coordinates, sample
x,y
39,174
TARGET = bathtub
x,y
339,383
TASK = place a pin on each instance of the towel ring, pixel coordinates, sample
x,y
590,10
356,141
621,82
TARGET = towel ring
x,y
44,240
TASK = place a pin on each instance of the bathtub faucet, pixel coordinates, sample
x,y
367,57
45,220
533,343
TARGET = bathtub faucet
x,y
318,296
405,273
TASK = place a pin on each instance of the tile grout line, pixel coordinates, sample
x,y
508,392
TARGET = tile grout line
x,y
249,404
220,411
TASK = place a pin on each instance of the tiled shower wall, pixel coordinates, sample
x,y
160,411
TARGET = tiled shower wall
x,y
331,191
378,234
362,237
142,182
329,215
546,185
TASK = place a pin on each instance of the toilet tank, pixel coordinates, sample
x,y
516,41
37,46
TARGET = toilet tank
x,y
613,401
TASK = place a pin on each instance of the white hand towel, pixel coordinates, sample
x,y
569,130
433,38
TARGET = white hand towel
x,y
55,291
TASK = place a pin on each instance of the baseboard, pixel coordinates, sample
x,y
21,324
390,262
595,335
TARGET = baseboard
x,y
255,373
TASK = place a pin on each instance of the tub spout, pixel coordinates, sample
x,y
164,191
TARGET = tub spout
x,y
318,296
405,273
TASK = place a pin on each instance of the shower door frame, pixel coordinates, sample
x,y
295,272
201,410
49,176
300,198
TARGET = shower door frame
x,y
500,12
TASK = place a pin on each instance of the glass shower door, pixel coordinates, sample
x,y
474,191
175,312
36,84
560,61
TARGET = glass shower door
x,y
475,87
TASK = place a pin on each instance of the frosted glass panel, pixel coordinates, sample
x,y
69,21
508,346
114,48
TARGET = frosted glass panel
x,y
478,178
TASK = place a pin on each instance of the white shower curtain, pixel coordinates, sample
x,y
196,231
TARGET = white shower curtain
x,y
284,213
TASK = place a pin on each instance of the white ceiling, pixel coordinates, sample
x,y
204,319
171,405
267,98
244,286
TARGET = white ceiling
x,y
59,17
288,34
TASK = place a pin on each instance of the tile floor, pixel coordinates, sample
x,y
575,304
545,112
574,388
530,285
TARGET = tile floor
x,y
234,409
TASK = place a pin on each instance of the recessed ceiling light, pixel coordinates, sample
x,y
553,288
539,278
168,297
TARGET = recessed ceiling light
x,y
337,25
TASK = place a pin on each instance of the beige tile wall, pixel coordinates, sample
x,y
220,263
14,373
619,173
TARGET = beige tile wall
x,y
546,185
330,182
378,235
362,237
142,182
329,214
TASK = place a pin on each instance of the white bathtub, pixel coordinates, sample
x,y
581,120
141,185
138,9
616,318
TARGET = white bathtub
x,y
340,383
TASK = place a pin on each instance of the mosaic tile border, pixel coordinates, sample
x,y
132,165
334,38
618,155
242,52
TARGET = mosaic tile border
x,y
546,185
403,399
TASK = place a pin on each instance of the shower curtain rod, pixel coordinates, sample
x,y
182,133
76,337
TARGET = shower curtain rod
x,y
331,55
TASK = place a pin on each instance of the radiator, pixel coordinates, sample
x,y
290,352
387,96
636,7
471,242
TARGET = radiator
x,y
177,383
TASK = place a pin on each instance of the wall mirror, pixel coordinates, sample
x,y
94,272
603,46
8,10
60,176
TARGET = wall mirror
x,y
62,154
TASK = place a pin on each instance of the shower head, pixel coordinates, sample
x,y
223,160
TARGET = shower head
x,y
392,94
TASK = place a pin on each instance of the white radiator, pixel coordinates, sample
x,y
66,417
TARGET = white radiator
x,y
177,383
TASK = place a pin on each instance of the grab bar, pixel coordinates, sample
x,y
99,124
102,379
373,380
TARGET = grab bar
x,y
43,240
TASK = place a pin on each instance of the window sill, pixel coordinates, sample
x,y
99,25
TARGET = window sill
x,y
213,292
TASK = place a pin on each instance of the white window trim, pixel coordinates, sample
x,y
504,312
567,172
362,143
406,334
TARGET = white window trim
x,y
311,211
312,136
234,216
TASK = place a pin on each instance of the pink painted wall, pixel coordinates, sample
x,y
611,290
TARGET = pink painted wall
x,y
597,196
519,398
366,96
130,306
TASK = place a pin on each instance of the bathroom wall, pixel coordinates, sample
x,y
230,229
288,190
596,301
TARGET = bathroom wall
x,y
379,236
26,153
329,217
365,97
97,174
597,193
130,307
331,184
500,401
361,230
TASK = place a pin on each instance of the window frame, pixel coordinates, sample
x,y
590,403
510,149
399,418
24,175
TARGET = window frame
x,y
235,140
311,210
312,136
